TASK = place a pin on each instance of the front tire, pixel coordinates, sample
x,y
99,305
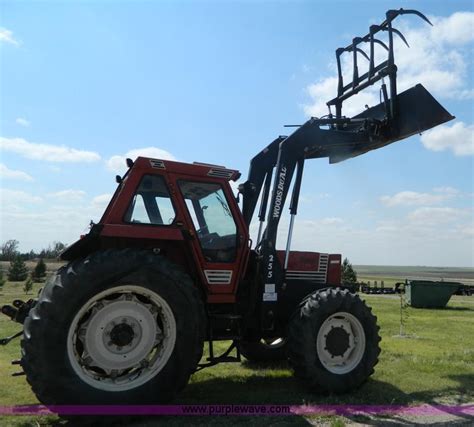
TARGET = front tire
x,y
120,326
333,341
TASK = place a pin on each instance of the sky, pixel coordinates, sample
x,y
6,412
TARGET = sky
x,y
85,84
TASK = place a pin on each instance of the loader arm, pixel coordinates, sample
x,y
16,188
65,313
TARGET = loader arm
x,y
336,137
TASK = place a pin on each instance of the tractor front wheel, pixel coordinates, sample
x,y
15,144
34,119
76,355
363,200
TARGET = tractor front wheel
x,y
120,326
333,341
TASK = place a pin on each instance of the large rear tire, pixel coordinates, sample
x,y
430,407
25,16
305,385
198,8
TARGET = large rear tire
x,y
120,326
333,341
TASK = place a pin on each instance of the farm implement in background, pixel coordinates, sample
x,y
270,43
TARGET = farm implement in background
x,y
171,264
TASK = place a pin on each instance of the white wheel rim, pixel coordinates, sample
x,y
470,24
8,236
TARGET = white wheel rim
x,y
340,343
121,338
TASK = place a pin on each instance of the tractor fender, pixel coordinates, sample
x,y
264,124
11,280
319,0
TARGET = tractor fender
x,y
84,246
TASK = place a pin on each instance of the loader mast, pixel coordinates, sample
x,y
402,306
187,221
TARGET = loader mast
x,y
337,137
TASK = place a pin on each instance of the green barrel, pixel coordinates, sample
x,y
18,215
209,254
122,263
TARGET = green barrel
x,y
429,294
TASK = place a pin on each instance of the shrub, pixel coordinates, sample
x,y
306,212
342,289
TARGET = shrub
x,y
348,274
39,272
17,271
28,285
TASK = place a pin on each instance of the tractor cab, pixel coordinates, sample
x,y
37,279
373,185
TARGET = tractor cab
x,y
186,211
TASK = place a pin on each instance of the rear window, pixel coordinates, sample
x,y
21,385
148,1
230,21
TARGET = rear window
x,y
151,203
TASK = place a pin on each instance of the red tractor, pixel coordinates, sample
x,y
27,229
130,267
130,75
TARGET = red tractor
x,y
171,265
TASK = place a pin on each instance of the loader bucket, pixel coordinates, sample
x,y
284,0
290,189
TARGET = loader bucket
x,y
418,111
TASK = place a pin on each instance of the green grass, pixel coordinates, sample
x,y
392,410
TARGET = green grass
x,y
434,364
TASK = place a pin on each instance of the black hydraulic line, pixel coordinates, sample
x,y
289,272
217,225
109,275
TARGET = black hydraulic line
x,y
262,164
385,97
355,69
266,192
340,83
392,68
297,188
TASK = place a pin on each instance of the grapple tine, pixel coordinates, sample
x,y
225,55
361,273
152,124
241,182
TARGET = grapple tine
x,y
415,12
381,43
399,34
363,53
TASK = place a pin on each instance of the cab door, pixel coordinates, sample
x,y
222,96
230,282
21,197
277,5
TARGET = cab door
x,y
220,238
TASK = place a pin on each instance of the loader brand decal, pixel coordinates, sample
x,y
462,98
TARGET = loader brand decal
x,y
218,277
279,192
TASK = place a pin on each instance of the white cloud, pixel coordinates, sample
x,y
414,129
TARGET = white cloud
x,y
7,173
13,197
427,236
7,37
437,58
117,163
456,29
325,89
47,152
447,190
68,195
101,201
331,221
434,216
459,138
468,231
413,198
22,122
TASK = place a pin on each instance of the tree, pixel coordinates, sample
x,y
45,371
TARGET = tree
x,y
39,271
9,249
53,250
349,276
28,285
17,271
2,279
58,247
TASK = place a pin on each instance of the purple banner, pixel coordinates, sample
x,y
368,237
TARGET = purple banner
x,y
237,410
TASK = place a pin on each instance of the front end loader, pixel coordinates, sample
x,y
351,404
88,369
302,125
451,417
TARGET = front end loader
x,y
171,264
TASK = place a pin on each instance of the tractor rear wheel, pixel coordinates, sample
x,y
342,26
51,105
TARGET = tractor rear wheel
x,y
120,326
333,341
265,350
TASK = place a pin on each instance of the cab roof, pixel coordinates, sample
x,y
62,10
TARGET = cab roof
x,y
197,169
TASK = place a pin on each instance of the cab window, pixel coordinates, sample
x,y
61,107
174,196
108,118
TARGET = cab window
x,y
212,218
151,203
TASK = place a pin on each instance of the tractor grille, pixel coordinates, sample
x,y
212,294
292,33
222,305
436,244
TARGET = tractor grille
x,y
218,277
318,276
